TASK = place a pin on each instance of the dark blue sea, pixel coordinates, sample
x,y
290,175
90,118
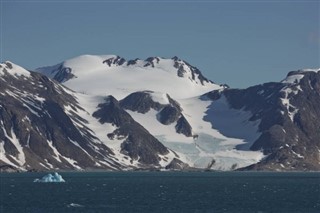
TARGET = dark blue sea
x,y
164,192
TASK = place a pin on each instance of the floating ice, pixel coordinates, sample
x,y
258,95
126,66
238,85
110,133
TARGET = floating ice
x,y
74,205
50,178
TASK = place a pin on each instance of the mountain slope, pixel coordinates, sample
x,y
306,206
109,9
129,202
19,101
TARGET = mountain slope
x,y
154,114
288,120
44,127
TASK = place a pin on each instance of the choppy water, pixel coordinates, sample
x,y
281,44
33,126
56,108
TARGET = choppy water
x,y
163,192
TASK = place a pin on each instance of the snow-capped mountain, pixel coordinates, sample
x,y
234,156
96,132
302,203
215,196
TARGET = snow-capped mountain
x,y
164,96
110,113
110,74
44,126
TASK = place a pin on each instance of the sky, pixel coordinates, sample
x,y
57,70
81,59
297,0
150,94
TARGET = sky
x,y
240,43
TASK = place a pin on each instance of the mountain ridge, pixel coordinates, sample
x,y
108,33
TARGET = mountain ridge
x,y
202,125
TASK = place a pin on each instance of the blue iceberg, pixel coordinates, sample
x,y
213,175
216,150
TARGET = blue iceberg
x,y
50,178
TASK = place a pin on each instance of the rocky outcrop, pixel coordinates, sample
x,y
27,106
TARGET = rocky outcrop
x,y
168,115
138,143
183,127
140,102
114,61
151,61
177,164
184,67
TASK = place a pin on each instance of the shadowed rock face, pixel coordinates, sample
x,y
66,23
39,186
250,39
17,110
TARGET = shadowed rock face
x,y
62,74
139,144
168,115
111,112
140,102
289,129
183,127
177,164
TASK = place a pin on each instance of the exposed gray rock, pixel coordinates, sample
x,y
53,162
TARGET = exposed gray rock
x,y
168,115
184,127
132,62
151,61
8,168
140,102
177,164
116,61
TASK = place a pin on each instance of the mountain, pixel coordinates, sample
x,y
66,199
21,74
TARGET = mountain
x,y
164,96
287,113
105,112
44,126
114,75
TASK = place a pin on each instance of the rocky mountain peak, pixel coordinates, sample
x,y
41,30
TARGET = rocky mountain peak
x,y
151,61
114,61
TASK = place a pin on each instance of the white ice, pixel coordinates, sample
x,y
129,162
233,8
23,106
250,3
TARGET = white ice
x,y
50,178
15,71
120,81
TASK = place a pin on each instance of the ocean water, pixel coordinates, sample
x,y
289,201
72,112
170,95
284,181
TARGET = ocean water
x,y
164,192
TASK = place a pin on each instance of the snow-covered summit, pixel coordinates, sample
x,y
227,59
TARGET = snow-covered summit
x,y
10,68
111,74
296,76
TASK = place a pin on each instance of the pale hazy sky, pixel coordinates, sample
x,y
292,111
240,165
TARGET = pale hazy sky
x,y
240,43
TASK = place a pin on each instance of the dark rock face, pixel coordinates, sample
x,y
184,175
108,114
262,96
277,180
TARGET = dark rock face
x,y
132,62
140,102
111,112
151,61
168,115
62,73
213,95
116,61
183,127
177,164
33,117
289,121
139,144
8,168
